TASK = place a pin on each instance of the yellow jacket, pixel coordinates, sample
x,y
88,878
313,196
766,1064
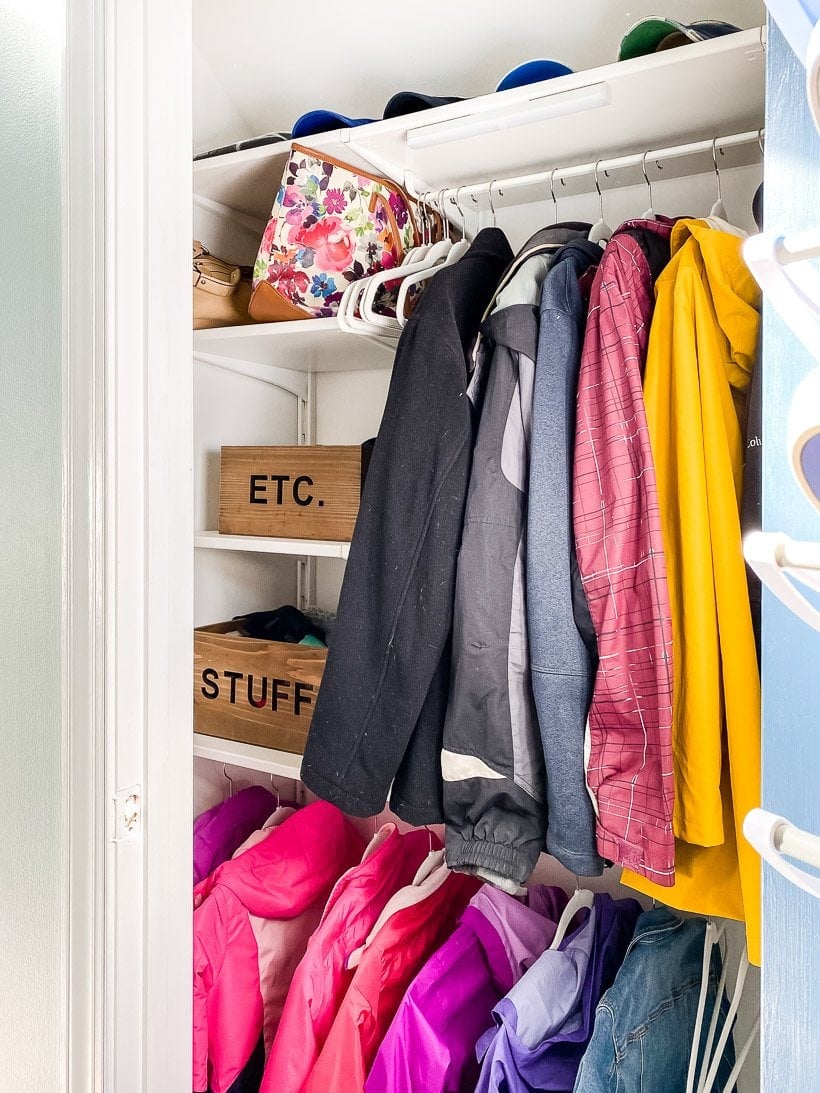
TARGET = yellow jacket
x,y
701,353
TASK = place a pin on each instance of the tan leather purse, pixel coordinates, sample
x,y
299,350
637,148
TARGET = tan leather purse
x,y
221,293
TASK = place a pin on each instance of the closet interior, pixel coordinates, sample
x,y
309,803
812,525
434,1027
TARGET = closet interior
x,y
675,133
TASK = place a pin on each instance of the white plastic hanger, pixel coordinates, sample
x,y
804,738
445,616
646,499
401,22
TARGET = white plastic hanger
x,y
369,317
581,899
718,209
650,213
712,1059
457,251
600,232
346,316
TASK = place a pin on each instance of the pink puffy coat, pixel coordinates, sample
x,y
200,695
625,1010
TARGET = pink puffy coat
x,y
252,922
321,980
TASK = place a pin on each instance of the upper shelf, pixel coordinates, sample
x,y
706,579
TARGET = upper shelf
x,y
692,93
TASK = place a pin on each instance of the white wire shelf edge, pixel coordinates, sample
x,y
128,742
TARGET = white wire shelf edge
x,y
257,544
285,764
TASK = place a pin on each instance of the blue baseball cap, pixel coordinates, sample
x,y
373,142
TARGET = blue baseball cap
x,y
324,121
412,102
532,72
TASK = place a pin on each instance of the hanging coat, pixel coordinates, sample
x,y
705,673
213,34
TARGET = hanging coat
x,y
563,648
621,559
220,830
380,709
430,1045
239,983
701,355
492,761
322,978
415,922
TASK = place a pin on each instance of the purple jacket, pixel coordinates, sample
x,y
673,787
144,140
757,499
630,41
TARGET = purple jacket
x,y
222,829
431,1043
545,1022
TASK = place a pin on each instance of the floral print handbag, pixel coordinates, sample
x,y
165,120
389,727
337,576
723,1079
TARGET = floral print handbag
x,y
331,224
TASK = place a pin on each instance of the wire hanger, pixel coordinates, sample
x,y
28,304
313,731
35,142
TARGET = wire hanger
x,y
229,779
600,232
650,213
718,209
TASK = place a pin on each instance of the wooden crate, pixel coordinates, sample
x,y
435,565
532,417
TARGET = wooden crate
x,y
298,492
259,692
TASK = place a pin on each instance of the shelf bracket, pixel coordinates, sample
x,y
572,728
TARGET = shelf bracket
x,y
295,383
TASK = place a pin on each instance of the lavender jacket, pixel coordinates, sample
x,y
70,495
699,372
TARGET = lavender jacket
x,y
545,1023
222,829
431,1043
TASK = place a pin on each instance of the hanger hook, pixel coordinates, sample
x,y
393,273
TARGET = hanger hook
x,y
456,200
646,180
760,141
490,199
717,171
229,779
275,789
552,192
598,187
445,223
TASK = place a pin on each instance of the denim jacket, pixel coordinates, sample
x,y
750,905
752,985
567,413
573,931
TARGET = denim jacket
x,y
645,1022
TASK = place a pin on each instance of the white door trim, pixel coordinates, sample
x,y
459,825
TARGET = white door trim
x,y
128,543
83,572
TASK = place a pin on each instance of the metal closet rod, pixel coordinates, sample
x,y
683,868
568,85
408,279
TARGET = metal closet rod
x,y
602,167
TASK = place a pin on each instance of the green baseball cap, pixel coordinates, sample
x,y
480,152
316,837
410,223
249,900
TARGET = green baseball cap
x,y
654,34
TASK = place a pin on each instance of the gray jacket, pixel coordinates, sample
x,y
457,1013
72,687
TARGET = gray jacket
x,y
492,760
562,637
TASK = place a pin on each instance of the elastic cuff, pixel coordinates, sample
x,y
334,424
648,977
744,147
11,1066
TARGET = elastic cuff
x,y
343,799
470,855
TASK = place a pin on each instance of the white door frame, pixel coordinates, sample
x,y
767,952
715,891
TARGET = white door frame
x,y
128,543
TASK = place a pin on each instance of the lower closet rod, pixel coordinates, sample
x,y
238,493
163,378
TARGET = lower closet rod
x,y
604,167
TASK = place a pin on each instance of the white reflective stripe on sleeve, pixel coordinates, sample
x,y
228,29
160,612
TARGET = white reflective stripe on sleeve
x,y
457,768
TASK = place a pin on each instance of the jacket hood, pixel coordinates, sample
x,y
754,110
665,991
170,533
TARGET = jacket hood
x,y
718,257
289,870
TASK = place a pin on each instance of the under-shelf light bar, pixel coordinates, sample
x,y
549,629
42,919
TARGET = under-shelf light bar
x,y
557,104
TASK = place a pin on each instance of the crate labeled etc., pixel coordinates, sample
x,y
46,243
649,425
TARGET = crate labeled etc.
x,y
254,691
294,492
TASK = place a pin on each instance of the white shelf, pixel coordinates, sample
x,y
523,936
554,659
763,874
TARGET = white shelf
x,y
256,544
674,97
309,345
268,760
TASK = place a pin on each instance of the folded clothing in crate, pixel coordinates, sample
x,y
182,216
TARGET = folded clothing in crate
x,y
286,623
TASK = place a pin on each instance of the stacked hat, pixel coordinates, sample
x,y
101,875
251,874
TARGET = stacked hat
x,y
656,34
411,102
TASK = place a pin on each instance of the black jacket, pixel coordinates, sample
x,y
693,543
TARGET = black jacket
x,y
380,709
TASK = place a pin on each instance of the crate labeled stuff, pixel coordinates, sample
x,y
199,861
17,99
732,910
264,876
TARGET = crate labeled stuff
x,y
254,691
298,492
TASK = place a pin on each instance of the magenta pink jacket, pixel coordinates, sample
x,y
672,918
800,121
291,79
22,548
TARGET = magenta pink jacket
x,y
321,980
252,922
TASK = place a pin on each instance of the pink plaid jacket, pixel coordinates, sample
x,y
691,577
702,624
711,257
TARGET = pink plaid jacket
x,y
621,560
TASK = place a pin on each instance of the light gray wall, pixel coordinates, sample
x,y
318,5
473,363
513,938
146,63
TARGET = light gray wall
x,y
30,537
